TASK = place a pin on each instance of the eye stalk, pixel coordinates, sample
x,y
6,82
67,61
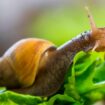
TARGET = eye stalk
x,y
98,34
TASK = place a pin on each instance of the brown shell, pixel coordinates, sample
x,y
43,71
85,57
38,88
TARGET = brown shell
x,y
24,57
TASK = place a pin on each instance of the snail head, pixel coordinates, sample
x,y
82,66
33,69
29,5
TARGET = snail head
x,y
98,34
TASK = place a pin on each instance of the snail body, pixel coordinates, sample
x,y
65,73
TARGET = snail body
x,y
37,67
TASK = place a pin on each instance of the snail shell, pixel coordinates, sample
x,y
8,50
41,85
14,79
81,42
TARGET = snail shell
x,y
24,58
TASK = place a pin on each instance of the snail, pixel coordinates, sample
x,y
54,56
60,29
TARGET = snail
x,y
37,67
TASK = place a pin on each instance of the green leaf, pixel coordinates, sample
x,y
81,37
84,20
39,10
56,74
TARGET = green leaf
x,y
100,73
18,99
82,76
60,99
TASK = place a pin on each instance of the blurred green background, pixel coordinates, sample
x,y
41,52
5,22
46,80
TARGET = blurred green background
x,y
62,24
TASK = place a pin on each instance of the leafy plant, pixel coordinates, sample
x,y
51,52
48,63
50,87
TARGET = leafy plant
x,y
84,84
